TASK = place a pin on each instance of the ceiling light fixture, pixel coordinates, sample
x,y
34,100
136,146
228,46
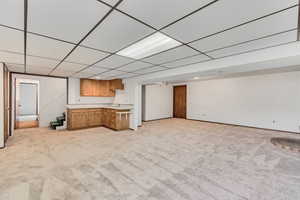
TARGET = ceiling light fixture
x,y
153,44
196,78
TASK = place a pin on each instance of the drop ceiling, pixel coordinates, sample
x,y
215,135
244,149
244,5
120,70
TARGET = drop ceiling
x,y
84,39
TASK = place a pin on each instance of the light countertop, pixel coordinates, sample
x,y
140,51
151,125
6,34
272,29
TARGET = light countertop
x,y
116,107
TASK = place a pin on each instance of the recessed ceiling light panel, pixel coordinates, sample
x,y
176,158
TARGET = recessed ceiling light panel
x,y
153,44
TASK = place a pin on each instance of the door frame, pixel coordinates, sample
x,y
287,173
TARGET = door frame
x,y
18,81
6,103
31,76
185,100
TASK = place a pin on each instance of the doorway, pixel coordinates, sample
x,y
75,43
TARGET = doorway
x,y
26,104
179,101
143,106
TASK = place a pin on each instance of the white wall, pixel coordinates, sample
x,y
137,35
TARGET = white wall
x,y
139,91
130,95
1,107
75,98
122,96
270,58
158,102
264,101
53,97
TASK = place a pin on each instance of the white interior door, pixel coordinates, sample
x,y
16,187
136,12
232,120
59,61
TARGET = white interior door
x,y
28,101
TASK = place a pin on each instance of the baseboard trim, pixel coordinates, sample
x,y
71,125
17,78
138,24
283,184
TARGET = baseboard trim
x,y
267,129
157,119
26,124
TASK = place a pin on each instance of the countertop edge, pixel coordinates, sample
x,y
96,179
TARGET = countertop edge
x,y
122,107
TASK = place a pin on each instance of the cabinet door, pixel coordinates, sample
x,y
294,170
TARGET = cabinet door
x,y
112,120
104,117
98,88
107,116
122,121
93,88
78,120
108,92
116,84
95,118
86,88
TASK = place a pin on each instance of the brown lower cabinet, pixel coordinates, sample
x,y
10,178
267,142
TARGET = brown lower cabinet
x,y
90,117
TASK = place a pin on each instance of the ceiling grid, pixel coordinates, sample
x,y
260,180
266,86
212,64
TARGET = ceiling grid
x,y
25,33
253,26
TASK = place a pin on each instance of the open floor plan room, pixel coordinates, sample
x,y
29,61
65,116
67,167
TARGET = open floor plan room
x,y
150,100
167,159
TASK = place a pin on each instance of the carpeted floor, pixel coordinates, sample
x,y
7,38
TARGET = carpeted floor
x,y
164,160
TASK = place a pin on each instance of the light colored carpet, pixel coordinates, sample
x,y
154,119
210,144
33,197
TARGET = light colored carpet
x,y
164,160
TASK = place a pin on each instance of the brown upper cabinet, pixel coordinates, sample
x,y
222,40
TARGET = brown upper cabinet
x,y
100,88
116,84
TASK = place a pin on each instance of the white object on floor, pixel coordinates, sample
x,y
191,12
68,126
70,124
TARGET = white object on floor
x,y
63,127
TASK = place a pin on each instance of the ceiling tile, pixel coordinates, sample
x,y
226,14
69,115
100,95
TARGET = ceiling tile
x,y
135,66
11,40
173,54
256,45
67,66
45,47
94,70
274,24
188,61
111,73
12,13
11,57
82,75
38,70
119,76
123,76
86,56
41,62
63,73
64,19
220,16
111,2
160,13
150,70
15,67
114,61
116,32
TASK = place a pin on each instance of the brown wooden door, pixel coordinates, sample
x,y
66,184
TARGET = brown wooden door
x,y
179,104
